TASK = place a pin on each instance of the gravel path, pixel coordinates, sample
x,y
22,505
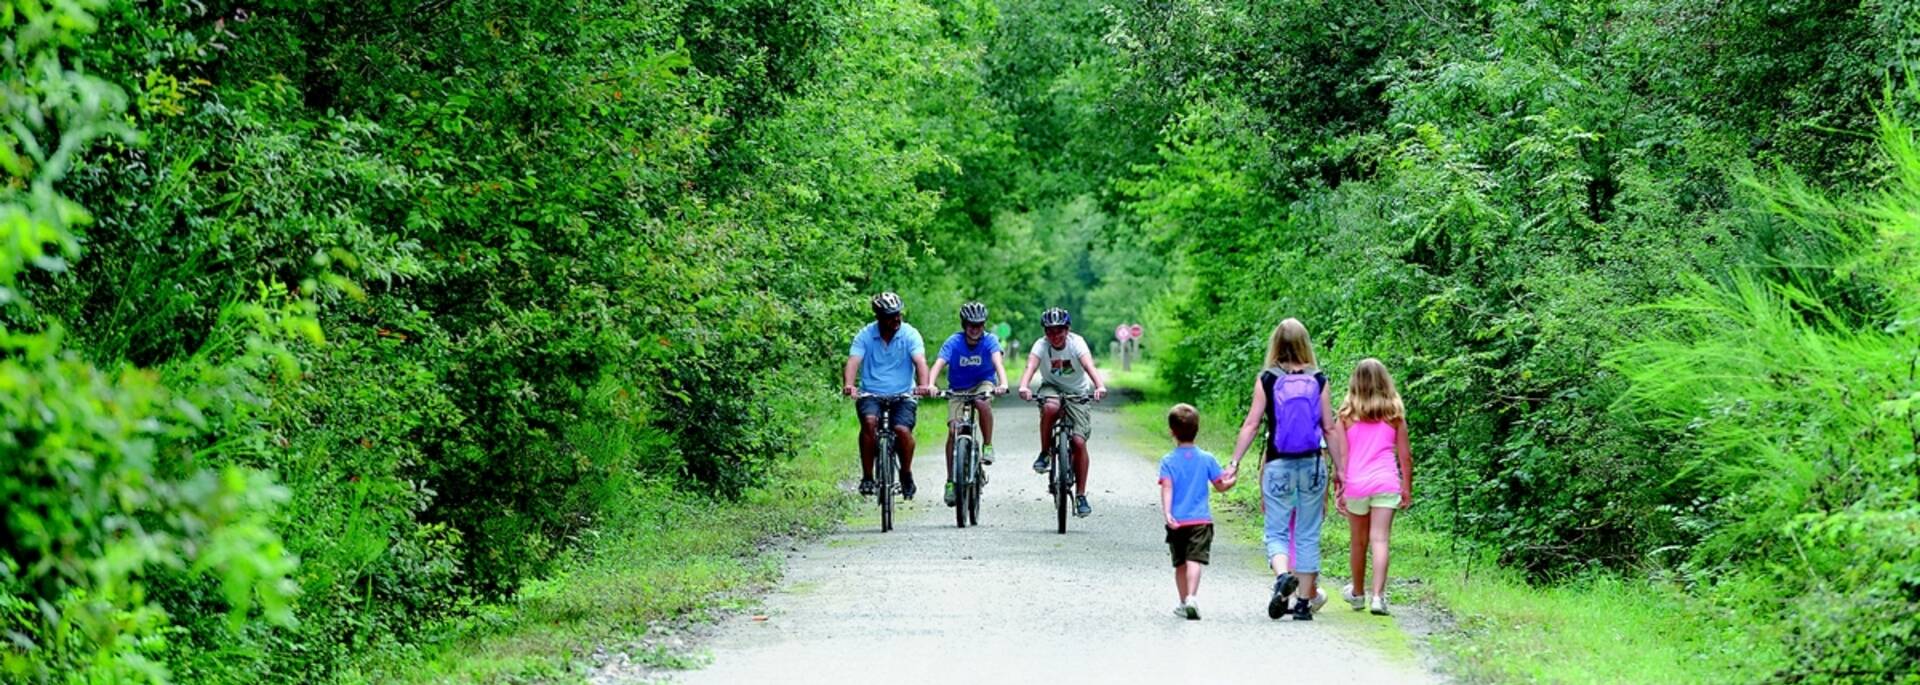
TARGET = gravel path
x,y
1014,601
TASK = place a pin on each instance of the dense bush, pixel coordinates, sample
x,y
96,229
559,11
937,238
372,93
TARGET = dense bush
x,y
521,226
1617,354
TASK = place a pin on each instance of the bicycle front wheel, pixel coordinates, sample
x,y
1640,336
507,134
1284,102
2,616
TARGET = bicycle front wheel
x,y
962,452
1062,483
886,469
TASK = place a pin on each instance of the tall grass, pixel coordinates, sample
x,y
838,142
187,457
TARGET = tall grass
x,y
1796,399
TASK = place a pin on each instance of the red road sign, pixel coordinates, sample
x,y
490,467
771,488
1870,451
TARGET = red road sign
x,y
1135,331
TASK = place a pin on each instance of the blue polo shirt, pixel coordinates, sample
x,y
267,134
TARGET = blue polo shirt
x,y
886,368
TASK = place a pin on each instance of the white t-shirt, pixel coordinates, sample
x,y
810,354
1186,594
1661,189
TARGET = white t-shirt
x,y
1061,368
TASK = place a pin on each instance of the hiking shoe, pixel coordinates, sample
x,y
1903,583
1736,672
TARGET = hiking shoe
x,y
1354,599
1080,506
986,456
1040,463
1319,599
1302,610
1283,588
1378,606
949,496
867,486
906,486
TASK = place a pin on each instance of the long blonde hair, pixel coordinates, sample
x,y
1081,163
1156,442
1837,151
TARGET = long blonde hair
x,y
1290,344
1370,394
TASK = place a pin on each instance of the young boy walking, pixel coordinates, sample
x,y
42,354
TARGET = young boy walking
x,y
1184,475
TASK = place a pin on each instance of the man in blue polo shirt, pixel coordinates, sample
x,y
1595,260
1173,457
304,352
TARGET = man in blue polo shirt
x,y
891,360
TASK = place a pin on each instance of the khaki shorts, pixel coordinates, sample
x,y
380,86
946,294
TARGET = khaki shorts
x,y
954,405
1080,414
1359,506
1190,543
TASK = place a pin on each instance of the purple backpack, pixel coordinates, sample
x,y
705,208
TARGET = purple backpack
x,y
1293,410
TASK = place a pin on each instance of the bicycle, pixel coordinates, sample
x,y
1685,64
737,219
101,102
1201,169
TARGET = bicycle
x,y
1060,475
965,470
886,463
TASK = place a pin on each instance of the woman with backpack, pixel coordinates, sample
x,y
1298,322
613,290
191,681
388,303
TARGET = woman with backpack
x,y
1291,397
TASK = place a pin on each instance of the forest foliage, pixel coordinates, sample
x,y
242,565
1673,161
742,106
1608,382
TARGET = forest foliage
x,y
326,321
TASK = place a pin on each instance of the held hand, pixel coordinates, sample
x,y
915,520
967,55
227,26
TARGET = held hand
x,y
1406,501
926,391
848,390
1002,390
1099,393
1171,524
1026,394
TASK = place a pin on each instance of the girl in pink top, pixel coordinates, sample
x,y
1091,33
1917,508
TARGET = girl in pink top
x,y
1378,479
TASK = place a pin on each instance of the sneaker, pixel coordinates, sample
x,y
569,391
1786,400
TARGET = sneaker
x,y
1040,463
867,486
1180,611
986,456
1302,609
1283,588
1193,609
1378,606
949,496
1080,506
1319,599
906,486
1354,599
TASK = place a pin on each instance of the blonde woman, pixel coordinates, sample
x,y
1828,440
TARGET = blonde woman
x,y
1378,477
1292,398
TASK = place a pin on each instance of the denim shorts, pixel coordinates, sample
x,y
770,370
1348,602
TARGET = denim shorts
x,y
1295,493
905,410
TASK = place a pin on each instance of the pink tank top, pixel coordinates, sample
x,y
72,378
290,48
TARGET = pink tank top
x,y
1371,469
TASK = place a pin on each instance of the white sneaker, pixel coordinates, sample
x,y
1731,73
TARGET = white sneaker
x,y
1319,599
1378,605
1193,608
1354,599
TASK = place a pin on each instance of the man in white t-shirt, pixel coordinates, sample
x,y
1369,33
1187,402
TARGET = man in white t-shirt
x,y
1066,368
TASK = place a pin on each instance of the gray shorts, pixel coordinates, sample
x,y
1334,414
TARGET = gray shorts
x,y
1080,414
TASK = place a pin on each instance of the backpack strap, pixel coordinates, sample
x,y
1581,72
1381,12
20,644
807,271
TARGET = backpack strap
x,y
1268,377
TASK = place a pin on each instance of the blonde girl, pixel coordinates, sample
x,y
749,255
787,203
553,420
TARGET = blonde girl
x,y
1292,398
1378,478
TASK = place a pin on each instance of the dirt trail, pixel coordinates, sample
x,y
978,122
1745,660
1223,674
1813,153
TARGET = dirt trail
x,y
1013,601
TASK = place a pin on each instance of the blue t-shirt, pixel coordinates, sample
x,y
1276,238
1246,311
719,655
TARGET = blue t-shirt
x,y
886,368
969,365
1191,471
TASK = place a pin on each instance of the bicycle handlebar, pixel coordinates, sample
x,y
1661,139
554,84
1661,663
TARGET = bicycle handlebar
x,y
885,396
1077,399
950,394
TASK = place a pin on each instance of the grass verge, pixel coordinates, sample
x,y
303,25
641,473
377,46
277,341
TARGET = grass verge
x,y
662,556
1601,628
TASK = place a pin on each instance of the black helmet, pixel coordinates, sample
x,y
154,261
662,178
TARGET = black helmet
x,y
973,312
887,303
1055,317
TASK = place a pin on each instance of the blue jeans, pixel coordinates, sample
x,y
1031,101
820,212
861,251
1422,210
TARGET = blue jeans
x,y
1295,492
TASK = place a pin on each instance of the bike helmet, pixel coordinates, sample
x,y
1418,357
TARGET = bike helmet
x,y
1055,317
887,303
973,312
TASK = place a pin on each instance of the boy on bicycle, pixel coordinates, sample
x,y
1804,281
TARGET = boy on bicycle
x,y
1068,371
891,360
977,367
